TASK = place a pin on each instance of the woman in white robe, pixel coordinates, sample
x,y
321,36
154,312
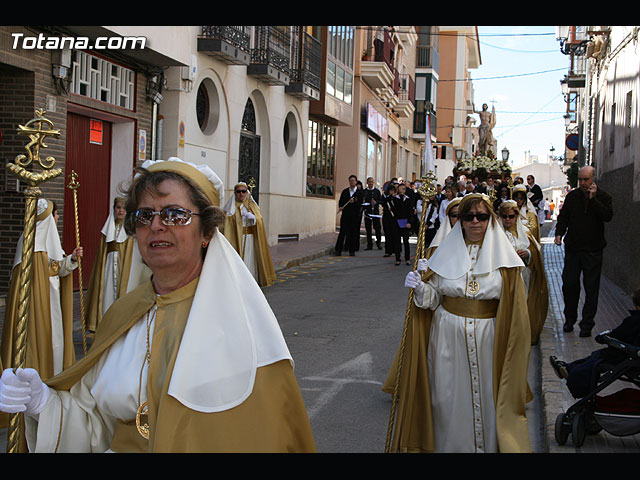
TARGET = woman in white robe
x,y
476,380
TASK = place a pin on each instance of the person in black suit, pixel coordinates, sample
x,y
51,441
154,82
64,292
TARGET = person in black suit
x,y
404,214
388,219
581,222
371,198
535,189
349,204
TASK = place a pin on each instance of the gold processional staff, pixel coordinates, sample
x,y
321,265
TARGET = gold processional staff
x,y
73,185
38,129
250,186
426,191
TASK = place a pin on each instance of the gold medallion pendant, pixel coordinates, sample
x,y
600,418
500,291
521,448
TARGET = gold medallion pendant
x,y
143,415
473,287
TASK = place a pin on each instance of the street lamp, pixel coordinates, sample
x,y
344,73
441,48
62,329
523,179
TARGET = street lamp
x,y
505,154
569,44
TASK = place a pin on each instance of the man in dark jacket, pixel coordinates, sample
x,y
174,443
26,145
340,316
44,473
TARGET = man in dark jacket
x,y
349,204
581,222
371,201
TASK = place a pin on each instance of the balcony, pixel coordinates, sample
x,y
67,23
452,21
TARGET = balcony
x,y
306,71
229,44
405,105
271,55
380,73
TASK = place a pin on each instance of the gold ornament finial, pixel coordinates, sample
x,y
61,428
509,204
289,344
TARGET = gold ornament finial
x,y
38,129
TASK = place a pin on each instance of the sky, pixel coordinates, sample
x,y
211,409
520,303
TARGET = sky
x,y
529,104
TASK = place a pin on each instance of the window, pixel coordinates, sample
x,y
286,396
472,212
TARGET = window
x,y
321,159
102,80
340,48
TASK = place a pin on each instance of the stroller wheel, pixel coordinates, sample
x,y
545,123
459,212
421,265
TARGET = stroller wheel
x,y
578,429
562,429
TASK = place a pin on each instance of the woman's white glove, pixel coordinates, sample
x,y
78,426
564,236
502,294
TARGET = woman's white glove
x,y
422,265
249,217
22,391
414,280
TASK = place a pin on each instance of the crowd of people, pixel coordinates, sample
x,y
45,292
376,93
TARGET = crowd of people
x,y
479,295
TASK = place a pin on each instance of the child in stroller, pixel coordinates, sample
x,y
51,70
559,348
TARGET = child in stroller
x,y
579,374
588,376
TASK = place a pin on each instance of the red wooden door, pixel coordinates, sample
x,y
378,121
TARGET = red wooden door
x,y
89,155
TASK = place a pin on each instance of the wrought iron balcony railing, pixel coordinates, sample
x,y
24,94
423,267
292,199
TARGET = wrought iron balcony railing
x,y
272,46
231,44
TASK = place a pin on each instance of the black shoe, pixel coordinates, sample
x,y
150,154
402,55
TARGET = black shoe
x,y
352,254
387,255
559,367
337,254
369,248
567,327
585,332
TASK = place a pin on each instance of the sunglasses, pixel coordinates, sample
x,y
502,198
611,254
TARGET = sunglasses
x,y
508,216
468,217
241,191
170,216
453,215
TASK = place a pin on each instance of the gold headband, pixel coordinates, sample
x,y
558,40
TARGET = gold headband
x,y
481,196
193,174
453,203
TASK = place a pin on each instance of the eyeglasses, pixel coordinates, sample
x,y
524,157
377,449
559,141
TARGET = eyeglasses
x,y
170,216
241,191
508,216
468,217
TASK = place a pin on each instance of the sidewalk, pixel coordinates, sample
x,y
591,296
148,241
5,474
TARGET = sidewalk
x,y
613,307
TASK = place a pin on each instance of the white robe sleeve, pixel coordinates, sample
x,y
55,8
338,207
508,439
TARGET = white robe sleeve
x,y
70,422
429,297
67,266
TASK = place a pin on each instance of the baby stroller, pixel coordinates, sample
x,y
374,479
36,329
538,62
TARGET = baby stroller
x,y
619,413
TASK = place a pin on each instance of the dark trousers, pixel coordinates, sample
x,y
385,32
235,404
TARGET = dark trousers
x,y
389,225
349,235
402,237
589,264
375,223
428,237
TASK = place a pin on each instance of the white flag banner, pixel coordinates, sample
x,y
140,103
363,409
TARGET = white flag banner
x,y
428,162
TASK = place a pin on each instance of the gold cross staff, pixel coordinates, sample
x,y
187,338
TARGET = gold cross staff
x,y
34,129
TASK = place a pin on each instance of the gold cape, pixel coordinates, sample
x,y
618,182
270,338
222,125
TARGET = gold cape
x,y
538,295
413,432
95,289
534,225
233,232
272,419
39,352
